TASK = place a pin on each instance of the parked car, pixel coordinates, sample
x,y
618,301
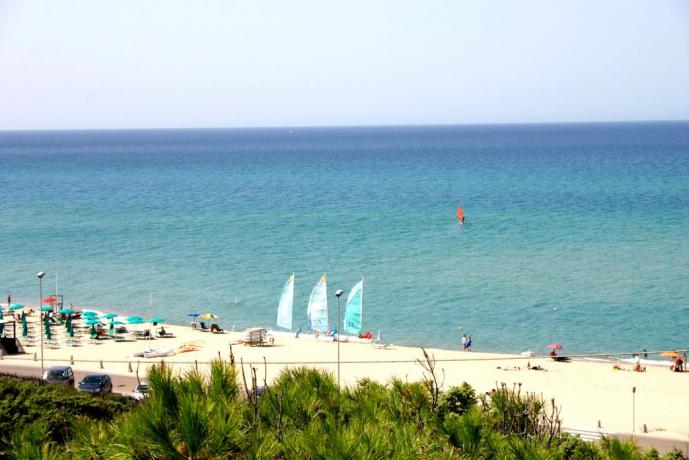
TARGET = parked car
x,y
96,384
59,374
141,391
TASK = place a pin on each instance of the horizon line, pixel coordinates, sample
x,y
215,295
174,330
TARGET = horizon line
x,y
345,126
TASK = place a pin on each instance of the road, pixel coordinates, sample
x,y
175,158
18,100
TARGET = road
x,y
120,384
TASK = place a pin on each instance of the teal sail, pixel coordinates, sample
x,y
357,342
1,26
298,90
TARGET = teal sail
x,y
354,313
317,310
284,319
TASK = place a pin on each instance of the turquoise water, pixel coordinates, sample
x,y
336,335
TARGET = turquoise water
x,y
574,233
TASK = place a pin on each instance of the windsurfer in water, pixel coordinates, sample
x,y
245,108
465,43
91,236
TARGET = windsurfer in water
x,y
460,215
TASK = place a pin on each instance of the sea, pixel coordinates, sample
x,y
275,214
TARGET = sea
x,y
574,233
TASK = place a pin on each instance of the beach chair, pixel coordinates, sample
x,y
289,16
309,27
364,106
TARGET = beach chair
x,y
217,329
203,327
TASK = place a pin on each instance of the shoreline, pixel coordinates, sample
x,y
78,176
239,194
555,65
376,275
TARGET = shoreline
x,y
589,391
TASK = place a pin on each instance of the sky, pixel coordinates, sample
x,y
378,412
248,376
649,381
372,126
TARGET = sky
x,y
84,64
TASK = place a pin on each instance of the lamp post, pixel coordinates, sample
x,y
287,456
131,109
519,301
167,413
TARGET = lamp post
x,y
40,276
338,294
633,409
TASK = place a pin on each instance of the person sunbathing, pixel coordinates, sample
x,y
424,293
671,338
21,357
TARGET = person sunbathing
x,y
639,368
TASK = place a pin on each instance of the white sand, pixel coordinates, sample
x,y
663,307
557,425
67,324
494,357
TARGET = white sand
x,y
587,392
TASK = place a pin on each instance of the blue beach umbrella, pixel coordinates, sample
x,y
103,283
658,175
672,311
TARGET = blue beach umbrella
x,y
16,307
66,311
157,319
46,308
135,320
89,313
193,314
117,322
109,315
92,321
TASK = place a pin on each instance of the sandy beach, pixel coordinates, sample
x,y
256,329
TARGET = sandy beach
x,y
589,393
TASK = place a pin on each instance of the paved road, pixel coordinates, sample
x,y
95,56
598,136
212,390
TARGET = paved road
x,y
120,384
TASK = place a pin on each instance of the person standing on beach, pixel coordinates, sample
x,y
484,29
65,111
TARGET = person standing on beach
x,y
464,342
468,344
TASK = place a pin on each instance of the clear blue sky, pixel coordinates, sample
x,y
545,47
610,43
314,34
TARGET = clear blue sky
x,y
147,64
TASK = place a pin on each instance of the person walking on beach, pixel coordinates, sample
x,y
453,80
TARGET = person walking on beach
x,y
468,344
464,342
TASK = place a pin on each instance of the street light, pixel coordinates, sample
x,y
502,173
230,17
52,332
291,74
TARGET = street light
x,y
633,409
338,294
40,276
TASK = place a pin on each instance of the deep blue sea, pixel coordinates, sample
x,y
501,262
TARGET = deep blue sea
x,y
574,233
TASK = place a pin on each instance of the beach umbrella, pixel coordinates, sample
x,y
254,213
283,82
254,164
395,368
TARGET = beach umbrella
x,y
135,320
89,313
117,322
66,311
193,314
209,316
109,315
46,308
92,321
46,322
25,326
16,307
157,319
50,299
555,346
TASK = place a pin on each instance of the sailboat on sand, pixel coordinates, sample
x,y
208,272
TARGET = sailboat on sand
x,y
317,309
354,315
284,319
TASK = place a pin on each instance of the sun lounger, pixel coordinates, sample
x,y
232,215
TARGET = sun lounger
x,y
216,329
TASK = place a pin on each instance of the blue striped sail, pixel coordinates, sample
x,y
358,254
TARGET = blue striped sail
x,y
285,305
354,313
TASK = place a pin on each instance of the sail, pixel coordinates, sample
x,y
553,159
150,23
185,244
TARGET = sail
x,y
460,214
285,305
317,311
354,313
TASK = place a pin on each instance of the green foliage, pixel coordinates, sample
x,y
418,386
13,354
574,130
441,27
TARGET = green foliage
x,y
55,408
303,415
457,400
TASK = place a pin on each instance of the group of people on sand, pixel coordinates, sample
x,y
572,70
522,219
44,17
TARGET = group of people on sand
x,y
466,342
680,362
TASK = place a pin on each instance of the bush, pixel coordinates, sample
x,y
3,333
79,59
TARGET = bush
x,y
457,400
54,407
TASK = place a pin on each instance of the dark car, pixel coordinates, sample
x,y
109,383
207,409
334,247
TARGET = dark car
x,y
96,384
59,374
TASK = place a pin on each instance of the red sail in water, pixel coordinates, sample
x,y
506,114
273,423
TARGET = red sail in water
x,y
460,215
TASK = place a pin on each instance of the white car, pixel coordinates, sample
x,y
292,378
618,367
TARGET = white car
x,y
141,391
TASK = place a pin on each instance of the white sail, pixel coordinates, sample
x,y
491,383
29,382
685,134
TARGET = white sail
x,y
285,305
354,313
317,310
